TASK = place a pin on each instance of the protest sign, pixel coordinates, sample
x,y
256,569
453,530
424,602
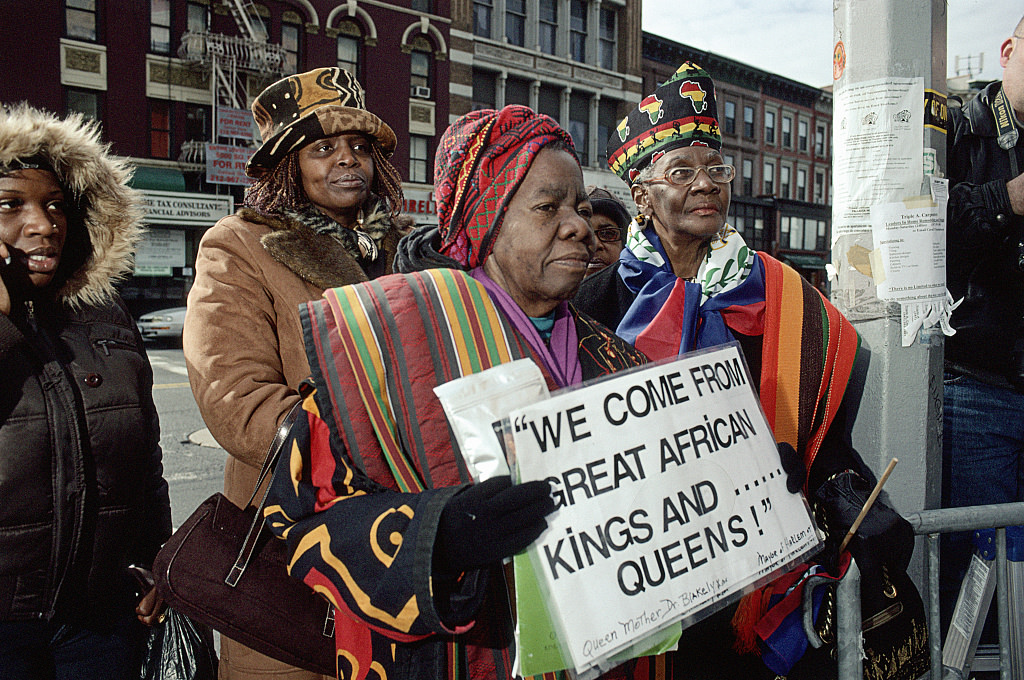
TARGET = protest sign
x,y
670,500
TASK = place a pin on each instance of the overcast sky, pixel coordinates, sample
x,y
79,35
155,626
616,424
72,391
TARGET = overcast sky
x,y
794,37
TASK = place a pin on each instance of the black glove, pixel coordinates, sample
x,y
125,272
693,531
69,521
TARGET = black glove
x,y
490,521
793,464
883,538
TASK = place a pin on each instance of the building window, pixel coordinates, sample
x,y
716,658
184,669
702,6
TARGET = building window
x,y
160,129
819,141
748,122
419,156
85,102
290,33
769,127
749,220
80,19
819,187
796,232
420,72
549,102
787,132
748,177
482,10
517,91
484,86
515,22
160,26
348,54
197,123
730,118
769,178
608,39
421,5
729,159
198,18
801,135
820,244
607,120
578,30
801,184
579,125
784,177
548,26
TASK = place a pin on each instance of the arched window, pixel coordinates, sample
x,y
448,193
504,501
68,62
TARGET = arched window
x,y
350,46
291,33
421,62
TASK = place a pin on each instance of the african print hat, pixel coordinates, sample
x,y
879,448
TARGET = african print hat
x,y
305,107
681,112
481,160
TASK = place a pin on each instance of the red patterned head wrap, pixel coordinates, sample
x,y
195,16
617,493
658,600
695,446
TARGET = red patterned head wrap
x,y
481,160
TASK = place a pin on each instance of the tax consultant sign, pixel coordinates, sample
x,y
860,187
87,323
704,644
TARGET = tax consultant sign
x,y
670,498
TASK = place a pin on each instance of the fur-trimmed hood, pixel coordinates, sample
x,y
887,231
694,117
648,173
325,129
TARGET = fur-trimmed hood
x,y
109,209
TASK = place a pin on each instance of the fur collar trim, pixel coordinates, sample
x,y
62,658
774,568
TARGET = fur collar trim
x,y
98,182
320,259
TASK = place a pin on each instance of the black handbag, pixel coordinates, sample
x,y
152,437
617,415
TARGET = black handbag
x,y
222,568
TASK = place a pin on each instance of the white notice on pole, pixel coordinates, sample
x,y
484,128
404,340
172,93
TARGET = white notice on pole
x,y
670,500
879,148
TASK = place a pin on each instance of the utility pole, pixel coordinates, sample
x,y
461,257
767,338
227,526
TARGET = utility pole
x,y
883,49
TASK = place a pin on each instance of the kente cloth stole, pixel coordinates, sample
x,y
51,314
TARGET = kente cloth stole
x,y
807,357
379,349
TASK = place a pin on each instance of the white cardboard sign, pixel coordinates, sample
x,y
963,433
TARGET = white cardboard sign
x,y
670,500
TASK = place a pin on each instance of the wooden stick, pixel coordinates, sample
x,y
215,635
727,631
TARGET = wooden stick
x,y
867,505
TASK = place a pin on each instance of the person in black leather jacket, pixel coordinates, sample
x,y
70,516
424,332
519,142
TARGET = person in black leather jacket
x,y
983,430
82,493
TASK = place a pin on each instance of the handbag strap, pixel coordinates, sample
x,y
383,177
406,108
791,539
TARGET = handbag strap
x,y
252,537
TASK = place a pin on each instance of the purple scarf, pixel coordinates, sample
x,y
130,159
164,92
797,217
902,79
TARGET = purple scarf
x,y
560,355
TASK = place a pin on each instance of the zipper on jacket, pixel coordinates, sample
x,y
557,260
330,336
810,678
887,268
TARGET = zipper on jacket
x,y
105,344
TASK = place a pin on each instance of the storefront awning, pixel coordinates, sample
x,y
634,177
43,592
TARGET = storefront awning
x,y
158,179
805,260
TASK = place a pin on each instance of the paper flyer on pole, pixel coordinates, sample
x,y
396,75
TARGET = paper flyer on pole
x,y
670,501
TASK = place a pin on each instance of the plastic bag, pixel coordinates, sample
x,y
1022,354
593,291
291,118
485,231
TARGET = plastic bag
x,y
476,404
179,649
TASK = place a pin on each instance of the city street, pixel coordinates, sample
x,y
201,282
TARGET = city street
x,y
192,471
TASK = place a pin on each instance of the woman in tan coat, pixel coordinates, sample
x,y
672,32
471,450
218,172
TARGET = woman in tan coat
x,y
323,212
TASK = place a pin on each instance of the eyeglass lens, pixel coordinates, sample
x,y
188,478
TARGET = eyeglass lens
x,y
685,174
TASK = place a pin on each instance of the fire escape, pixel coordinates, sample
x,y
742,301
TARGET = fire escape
x,y
240,66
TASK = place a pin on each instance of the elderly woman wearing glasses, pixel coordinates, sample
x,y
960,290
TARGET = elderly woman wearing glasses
x,y
609,223
686,280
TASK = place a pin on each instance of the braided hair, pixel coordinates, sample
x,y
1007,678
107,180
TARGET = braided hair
x,y
281,188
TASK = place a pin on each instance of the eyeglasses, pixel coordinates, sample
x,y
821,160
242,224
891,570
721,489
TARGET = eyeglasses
x,y
684,174
609,234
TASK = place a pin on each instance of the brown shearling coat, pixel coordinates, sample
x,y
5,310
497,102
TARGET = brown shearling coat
x,y
244,351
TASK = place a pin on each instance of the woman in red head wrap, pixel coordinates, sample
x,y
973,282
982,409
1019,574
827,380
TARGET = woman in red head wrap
x,y
375,502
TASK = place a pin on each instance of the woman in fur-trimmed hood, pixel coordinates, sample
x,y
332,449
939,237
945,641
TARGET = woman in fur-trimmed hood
x,y
322,212
80,464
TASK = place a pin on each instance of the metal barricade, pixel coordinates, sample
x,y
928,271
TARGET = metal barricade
x,y
932,523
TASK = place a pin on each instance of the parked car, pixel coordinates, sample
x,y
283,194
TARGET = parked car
x,y
164,325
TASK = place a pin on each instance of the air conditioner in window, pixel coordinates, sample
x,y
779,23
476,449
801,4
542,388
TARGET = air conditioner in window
x,y
421,92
